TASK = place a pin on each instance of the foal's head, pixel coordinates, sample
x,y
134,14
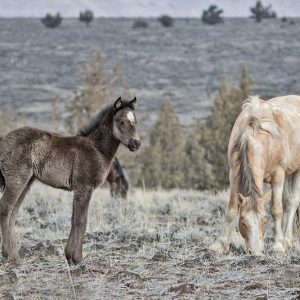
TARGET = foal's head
x,y
124,124
252,222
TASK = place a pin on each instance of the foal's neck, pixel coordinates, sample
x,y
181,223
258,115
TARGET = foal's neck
x,y
104,140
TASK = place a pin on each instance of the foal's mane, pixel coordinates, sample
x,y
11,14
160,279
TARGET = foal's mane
x,y
98,118
244,177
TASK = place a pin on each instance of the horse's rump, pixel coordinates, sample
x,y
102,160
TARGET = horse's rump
x,y
262,139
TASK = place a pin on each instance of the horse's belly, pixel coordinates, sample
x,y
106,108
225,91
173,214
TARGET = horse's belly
x,y
293,160
57,174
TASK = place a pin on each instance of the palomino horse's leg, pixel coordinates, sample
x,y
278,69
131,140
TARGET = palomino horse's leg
x,y
12,192
81,201
229,228
292,203
287,194
277,210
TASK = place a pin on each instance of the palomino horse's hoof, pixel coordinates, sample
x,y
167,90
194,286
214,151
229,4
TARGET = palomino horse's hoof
x,y
288,243
277,248
219,247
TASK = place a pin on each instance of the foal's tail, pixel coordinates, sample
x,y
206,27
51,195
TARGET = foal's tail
x,y
2,182
2,179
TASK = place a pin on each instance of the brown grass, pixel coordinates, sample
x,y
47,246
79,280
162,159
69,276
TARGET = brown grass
x,y
152,246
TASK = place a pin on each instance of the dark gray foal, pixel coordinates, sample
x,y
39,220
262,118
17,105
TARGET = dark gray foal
x,y
74,163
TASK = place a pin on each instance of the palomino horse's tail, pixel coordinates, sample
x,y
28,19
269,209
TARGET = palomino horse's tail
x,y
297,222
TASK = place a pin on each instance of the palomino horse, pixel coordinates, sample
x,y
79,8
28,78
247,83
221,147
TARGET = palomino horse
x,y
118,180
264,147
75,163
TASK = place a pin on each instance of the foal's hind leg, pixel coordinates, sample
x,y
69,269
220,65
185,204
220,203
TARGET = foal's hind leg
x,y
81,202
12,220
12,192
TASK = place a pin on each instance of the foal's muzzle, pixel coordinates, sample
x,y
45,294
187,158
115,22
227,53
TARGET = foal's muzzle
x,y
134,144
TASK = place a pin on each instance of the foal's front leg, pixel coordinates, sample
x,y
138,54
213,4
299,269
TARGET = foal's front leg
x,y
277,210
81,202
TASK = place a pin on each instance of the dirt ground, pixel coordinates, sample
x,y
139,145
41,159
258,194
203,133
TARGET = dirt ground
x,y
155,245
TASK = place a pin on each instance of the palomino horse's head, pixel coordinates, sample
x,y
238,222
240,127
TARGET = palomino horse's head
x,y
252,222
124,124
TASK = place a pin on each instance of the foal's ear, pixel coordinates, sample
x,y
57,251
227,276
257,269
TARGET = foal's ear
x,y
133,103
118,103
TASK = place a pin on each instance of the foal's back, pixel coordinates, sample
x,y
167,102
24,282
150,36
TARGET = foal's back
x,y
59,161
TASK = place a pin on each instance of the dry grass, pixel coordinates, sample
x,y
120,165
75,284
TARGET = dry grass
x,y
153,245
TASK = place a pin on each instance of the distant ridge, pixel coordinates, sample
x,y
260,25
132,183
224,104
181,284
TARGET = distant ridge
x,y
137,8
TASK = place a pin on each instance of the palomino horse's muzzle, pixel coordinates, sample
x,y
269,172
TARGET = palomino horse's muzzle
x,y
134,144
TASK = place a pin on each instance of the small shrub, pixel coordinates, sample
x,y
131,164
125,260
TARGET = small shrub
x,y
140,23
212,16
166,21
86,16
51,21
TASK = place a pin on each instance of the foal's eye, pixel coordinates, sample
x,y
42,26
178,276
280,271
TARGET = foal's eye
x,y
122,123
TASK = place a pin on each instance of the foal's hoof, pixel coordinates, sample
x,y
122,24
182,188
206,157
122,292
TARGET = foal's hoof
x,y
278,248
73,260
15,261
12,257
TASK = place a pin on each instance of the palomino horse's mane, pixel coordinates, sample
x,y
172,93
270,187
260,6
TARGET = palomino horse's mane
x,y
98,118
244,177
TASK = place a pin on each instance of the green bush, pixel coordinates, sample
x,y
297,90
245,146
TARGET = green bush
x,y
140,23
86,16
212,15
166,21
52,21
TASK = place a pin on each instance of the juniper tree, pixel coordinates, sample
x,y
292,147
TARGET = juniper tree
x,y
260,12
99,85
86,16
163,158
213,136
197,170
166,21
52,21
212,15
